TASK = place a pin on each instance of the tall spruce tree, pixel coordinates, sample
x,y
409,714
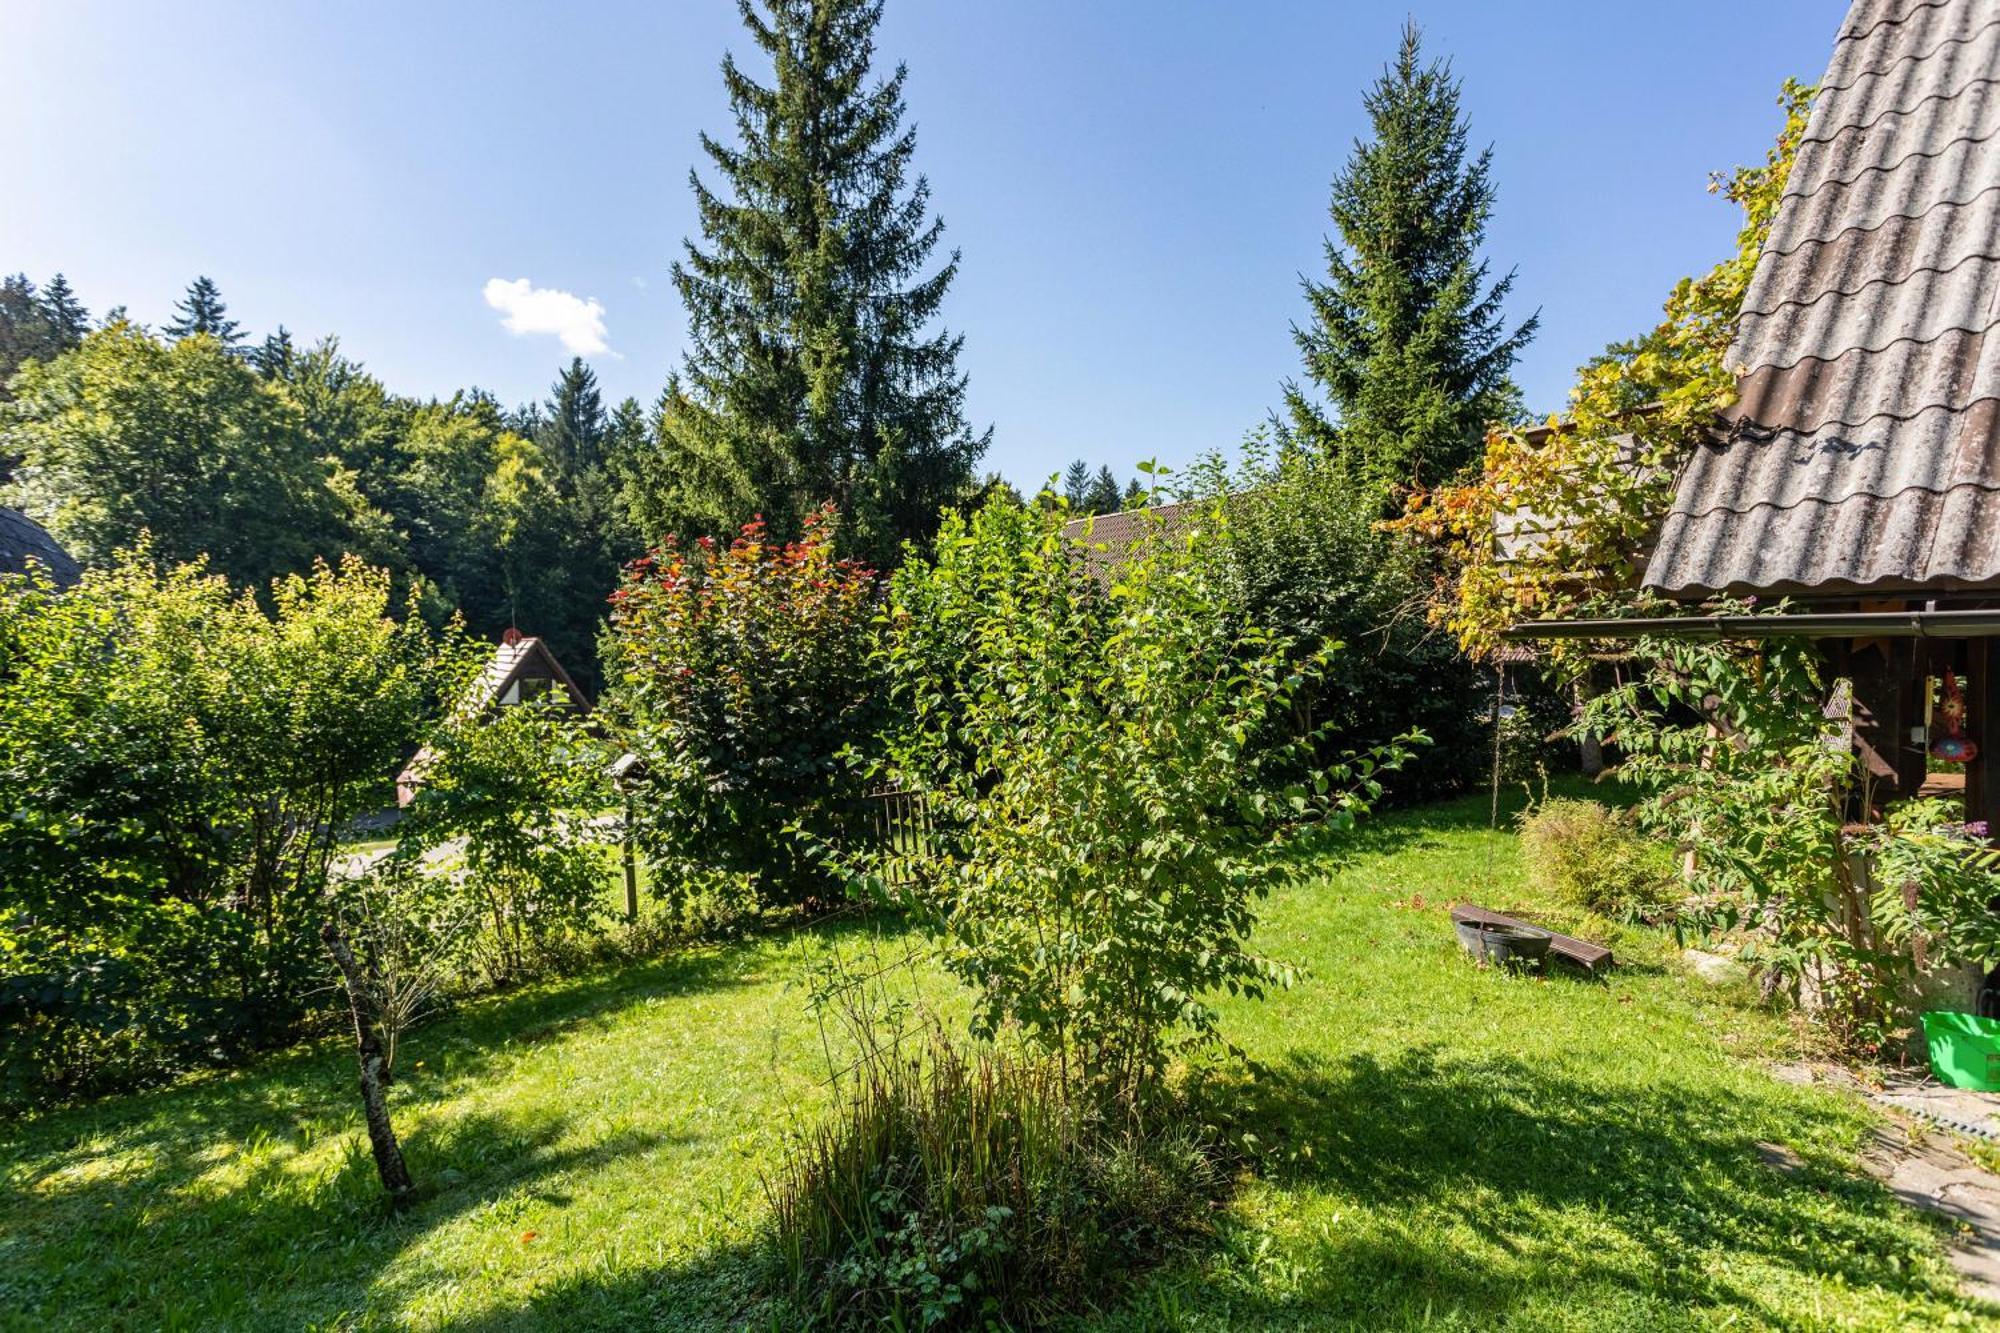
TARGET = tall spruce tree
x,y
275,356
202,311
25,332
572,428
814,372
68,320
1408,341
1104,492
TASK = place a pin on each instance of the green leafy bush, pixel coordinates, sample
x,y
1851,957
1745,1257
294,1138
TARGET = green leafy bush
x,y
1936,885
1103,824
974,1192
175,761
1535,739
741,674
1592,857
1303,557
502,826
1746,760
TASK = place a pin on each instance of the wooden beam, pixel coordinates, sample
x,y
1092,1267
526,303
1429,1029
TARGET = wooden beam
x,y
1590,957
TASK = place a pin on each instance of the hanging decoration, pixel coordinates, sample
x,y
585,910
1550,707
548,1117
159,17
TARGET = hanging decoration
x,y
1953,747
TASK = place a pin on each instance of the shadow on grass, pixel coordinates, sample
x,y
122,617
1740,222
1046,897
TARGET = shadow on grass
x,y
166,1208
293,1089
1575,1194
176,1247
216,1174
718,1290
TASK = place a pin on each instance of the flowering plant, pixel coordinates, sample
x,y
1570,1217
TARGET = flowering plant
x,y
740,673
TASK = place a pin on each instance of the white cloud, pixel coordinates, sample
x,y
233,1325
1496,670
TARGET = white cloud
x,y
524,308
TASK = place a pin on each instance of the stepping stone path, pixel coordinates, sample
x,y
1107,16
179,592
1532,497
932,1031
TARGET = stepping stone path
x,y
1925,1169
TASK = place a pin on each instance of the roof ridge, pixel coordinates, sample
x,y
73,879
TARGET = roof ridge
x,y
1906,58
1897,21
1930,208
1976,256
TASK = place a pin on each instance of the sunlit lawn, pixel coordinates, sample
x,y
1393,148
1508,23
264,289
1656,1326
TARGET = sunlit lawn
x,y
1443,1147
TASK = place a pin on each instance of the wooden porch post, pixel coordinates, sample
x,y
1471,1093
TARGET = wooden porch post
x,y
1982,699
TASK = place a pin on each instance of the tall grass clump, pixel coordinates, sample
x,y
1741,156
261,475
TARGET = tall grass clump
x,y
1592,857
957,1190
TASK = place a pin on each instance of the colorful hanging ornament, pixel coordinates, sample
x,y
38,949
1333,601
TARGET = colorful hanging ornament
x,y
1953,747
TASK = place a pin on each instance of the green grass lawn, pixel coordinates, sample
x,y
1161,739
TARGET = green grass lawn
x,y
1443,1147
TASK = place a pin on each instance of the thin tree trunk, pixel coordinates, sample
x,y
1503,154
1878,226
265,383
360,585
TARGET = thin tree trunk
x,y
389,1164
1590,746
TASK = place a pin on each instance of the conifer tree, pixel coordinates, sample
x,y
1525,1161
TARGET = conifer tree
x,y
1408,340
815,371
1104,492
68,320
572,427
275,356
1076,485
202,311
25,333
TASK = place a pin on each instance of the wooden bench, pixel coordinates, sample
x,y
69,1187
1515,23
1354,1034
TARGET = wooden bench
x,y
1590,957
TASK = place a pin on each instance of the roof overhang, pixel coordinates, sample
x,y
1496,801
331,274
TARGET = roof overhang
x,y
1981,623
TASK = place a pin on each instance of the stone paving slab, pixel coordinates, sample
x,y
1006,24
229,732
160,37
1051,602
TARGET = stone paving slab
x,y
1928,1172
1967,1112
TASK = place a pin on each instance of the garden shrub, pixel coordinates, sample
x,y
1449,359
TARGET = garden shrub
x,y
975,1191
1304,557
1935,885
1591,857
175,761
502,824
1536,740
1104,826
741,674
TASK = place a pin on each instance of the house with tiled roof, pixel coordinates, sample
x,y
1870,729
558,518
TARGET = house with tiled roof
x,y
1860,456
1108,538
521,670
1857,475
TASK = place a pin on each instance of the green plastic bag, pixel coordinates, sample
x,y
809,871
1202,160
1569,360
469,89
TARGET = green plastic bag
x,y
1965,1050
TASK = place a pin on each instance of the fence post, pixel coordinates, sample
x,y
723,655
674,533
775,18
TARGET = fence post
x,y
631,868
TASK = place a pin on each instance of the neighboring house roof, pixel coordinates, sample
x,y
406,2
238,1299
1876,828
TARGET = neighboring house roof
x,y
22,540
512,662
1521,533
526,658
1863,453
1111,537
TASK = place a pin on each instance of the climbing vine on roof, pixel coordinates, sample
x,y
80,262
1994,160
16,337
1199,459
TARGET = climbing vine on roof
x,y
1586,493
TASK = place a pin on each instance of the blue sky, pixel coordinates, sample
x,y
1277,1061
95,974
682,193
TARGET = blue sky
x,y
1135,186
